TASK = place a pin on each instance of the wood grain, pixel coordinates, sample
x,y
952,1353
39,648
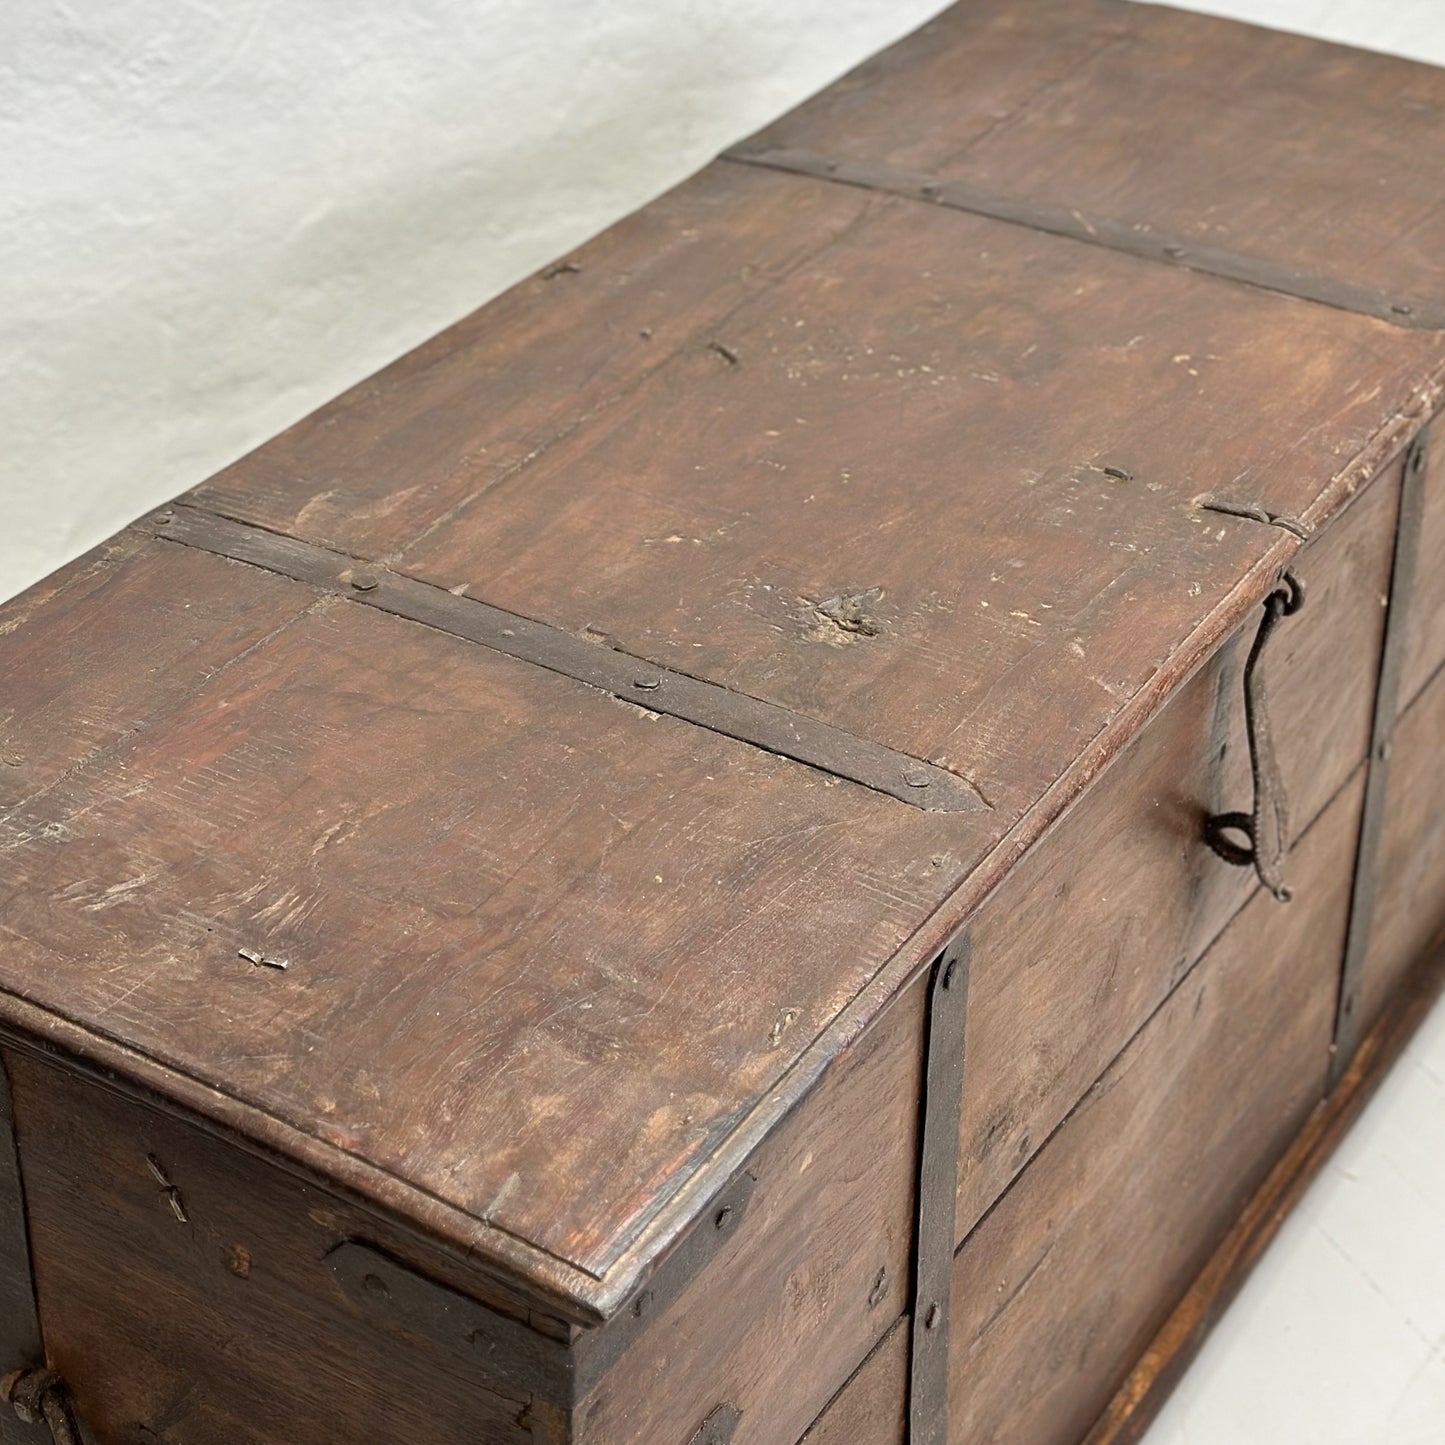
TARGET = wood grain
x,y
1410,897
1149,1384
817,1272
392,456
1222,134
227,1325
1018,592
1094,927
545,949
872,1408
1061,1286
139,631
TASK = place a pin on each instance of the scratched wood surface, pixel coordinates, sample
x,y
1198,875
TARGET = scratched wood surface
x,y
225,1325
1074,951
555,965
1274,145
1061,1286
804,1288
943,458
871,1409
391,457
544,948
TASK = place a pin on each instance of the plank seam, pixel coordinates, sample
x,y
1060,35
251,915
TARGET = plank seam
x,y
763,725
1405,312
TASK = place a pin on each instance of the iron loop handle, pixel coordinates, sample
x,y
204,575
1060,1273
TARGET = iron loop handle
x,y
38,1397
1266,829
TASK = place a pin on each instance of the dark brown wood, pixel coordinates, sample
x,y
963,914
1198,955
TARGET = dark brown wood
x,y
817,1272
996,563
227,1325
1310,156
872,1408
578,856
1166,248
469,408
1074,949
1069,1276
658,689
21,1346
1142,1395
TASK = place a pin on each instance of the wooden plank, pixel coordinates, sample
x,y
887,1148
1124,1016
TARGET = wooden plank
x,y
1092,929
814,1276
1409,908
1165,248
871,1409
139,630
460,414
225,1324
1017,593
545,949
1142,1395
1067,1278
1169,125
659,689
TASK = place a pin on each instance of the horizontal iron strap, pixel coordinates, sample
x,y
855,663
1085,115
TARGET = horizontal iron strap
x,y
959,195
763,725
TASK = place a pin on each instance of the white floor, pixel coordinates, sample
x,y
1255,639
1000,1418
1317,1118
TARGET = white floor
x,y
218,216
1338,1338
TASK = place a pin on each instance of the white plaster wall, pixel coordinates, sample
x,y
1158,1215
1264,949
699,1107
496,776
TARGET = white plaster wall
x,y
215,214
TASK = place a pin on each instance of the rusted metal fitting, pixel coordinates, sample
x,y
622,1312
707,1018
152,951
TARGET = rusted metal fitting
x,y
38,1398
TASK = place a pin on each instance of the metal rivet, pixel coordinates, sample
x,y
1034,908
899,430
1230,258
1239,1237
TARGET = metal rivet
x,y
723,1217
647,684
1400,309
933,1318
364,581
917,780
164,519
1382,749
1174,250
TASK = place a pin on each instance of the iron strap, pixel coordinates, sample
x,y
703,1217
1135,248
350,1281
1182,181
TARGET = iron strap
x,y
1377,774
1145,243
937,1195
21,1347
751,720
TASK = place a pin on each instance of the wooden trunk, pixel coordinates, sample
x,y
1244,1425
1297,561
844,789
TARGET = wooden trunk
x,y
654,872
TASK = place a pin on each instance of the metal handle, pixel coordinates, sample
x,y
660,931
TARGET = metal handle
x,y
1267,827
38,1397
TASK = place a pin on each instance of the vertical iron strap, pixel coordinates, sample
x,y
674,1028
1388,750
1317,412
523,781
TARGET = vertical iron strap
x,y
1267,827
20,1342
937,1195
1377,774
